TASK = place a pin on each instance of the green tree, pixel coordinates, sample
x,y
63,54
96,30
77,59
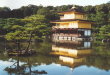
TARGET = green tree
x,y
36,27
44,11
104,32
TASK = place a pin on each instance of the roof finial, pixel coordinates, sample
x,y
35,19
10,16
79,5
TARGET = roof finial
x,y
74,6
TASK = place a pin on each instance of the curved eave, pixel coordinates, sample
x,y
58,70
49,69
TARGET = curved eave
x,y
67,21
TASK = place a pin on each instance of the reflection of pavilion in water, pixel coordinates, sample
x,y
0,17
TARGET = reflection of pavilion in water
x,y
72,53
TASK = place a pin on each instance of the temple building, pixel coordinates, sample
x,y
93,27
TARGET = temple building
x,y
73,24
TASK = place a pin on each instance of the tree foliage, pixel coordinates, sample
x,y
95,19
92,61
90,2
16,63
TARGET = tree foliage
x,y
35,27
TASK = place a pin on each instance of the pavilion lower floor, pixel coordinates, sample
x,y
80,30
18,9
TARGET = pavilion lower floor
x,y
68,37
71,34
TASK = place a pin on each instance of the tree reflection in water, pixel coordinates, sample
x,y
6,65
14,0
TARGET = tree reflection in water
x,y
100,57
18,69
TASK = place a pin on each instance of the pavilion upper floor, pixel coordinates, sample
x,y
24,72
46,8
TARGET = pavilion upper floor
x,y
72,24
72,15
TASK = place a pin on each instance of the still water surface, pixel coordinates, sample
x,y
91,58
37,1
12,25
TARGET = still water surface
x,y
58,58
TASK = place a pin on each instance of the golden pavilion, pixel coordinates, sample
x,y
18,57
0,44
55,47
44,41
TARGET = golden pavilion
x,y
73,24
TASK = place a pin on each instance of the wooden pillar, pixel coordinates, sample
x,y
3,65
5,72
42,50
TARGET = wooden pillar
x,y
77,32
58,37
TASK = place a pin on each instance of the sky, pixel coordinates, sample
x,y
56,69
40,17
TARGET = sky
x,y
13,4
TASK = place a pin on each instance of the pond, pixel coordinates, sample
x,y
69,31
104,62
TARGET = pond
x,y
58,58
